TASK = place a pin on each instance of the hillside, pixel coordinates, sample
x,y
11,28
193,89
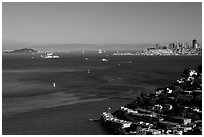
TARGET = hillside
x,y
25,50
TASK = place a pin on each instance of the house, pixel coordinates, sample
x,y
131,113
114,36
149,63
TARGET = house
x,y
167,107
157,107
186,129
181,80
184,97
187,92
192,72
141,117
147,131
179,120
197,92
158,92
140,110
177,132
127,110
167,125
169,90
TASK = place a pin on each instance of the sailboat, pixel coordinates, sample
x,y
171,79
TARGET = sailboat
x,y
54,85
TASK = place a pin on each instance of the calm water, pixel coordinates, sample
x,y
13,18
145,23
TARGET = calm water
x,y
31,105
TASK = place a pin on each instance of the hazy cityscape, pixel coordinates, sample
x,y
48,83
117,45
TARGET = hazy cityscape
x,y
102,68
193,48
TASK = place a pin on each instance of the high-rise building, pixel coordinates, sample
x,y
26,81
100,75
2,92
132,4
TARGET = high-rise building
x,y
194,43
157,46
172,46
186,45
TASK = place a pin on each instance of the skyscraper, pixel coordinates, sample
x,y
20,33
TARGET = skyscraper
x,y
194,43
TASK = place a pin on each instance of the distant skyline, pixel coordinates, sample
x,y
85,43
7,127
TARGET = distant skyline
x,y
33,24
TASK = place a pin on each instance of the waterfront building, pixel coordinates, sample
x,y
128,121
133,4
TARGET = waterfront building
x,y
179,120
147,131
167,125
141,117
127,110
113,122
140,110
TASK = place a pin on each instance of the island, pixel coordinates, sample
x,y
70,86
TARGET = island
x,y
24,50
172,110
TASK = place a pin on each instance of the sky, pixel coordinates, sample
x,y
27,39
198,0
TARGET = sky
x,y
100,23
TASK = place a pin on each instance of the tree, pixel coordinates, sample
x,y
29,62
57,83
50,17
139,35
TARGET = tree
x,y
142,95
195,117
199,69
162,98
140,101
186,72
150,102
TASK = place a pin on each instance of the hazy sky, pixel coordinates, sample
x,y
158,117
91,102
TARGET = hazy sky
x,y
101,23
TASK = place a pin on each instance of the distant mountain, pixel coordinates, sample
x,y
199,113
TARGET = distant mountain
x,y
25,50
7,45
93,47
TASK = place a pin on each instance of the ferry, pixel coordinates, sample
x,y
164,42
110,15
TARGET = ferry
x,y
104,60
100,51
49,55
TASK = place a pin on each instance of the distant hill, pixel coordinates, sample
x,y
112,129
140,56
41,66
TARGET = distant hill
x,y
93,47
25,50
7,45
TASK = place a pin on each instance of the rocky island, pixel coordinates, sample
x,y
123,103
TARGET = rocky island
x,y
24,50
174,110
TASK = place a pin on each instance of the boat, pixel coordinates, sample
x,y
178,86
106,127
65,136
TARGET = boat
x,y
54,85
49,55
88,71
100,51
104,60
92,119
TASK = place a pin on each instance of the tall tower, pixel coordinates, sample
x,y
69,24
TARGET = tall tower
x,y
194,43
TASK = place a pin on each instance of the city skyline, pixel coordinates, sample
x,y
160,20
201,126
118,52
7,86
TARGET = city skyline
x,y
32,24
